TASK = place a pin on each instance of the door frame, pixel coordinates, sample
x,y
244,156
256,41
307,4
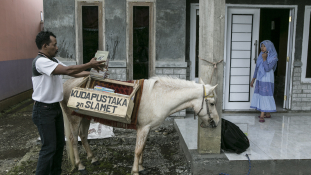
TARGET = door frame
x,y
293,10
129,38
288,77
79,30
194,7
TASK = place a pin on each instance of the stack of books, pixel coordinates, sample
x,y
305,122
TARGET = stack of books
x,y
104,89
122,94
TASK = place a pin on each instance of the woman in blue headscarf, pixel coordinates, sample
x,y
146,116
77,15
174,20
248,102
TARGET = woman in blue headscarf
x,y
263,100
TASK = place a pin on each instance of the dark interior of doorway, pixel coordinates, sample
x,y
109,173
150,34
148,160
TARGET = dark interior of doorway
x,y
197,44
89,32
140,42
274,27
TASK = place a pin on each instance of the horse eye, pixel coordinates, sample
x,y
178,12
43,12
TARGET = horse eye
x,y
212,104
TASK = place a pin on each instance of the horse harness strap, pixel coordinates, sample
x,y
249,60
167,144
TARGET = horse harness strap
x,y
206,101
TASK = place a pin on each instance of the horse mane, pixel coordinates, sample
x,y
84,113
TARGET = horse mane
x,y
174,83
171,82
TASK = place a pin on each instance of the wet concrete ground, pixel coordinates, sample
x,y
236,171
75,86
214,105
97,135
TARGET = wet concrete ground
x,y
19,149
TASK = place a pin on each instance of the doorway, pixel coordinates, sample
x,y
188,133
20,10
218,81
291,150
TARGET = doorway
x,y
246,28
140,42
274,27
141,58
89,30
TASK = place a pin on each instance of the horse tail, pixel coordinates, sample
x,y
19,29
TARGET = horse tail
x,y
68,135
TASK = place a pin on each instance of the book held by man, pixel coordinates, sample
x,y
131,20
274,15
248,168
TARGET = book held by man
x,y
101,55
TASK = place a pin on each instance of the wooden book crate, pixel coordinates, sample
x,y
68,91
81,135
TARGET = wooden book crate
x,y
84,99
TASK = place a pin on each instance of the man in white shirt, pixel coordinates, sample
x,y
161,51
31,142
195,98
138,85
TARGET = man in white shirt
x,y
48,92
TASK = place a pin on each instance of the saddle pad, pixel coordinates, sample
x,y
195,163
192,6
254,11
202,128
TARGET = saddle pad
x,y
125,91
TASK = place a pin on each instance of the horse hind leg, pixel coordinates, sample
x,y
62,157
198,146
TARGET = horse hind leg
x,y
142,134
83,133
140,163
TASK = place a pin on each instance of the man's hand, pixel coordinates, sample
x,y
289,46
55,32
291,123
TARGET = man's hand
x,y
264,56
97,65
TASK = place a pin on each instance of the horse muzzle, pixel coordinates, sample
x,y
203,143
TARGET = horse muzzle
x,y
211,123
203,125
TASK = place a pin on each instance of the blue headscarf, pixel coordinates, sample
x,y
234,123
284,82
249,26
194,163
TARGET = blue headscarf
x,y
271,56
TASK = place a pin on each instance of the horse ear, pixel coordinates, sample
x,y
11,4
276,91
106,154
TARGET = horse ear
x,y
214,86
211,89
201,81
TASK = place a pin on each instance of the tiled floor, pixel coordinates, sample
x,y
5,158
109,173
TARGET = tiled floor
x,y
284,136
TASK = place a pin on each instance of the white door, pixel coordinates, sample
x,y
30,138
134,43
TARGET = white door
x,y
242,37
194,32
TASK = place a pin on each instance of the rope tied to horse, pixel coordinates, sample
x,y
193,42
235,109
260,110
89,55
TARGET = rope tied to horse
x,y
214,65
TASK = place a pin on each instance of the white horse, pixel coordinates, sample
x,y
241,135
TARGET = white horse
x,y
161,97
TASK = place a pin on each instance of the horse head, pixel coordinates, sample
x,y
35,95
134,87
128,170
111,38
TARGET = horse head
x,y
208,112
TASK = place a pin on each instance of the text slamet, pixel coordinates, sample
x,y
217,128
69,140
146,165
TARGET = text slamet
x,y
103,102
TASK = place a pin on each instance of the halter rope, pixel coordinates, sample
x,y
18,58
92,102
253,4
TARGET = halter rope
x,y
207,108
215,66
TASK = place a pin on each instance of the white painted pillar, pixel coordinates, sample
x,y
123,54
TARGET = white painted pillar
x,y
211,48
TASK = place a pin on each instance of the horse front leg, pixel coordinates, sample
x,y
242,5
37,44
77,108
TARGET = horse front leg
x,y
140,163
75,125
142,134
83,133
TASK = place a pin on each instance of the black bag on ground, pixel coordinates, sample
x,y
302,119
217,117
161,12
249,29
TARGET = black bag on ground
x,y
232,138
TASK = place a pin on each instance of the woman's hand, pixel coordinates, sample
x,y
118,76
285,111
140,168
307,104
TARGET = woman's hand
x,y
264,56
252,82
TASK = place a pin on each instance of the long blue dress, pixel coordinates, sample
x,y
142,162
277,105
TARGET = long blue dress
x,y
264,73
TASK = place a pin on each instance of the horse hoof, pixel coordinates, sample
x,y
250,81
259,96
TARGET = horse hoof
x,y
96,163
83,172
144,172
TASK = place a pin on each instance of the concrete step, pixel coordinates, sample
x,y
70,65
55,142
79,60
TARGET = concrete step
x,y
211,164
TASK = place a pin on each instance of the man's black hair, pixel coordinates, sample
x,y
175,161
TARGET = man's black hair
x,y
43,37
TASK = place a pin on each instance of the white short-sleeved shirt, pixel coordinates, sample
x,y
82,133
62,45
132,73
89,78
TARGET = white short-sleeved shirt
x,y
47,88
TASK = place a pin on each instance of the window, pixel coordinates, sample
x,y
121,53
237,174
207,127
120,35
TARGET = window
x,y
306,48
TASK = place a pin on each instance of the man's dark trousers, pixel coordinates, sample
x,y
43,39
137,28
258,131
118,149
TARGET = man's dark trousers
x,y
49,120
